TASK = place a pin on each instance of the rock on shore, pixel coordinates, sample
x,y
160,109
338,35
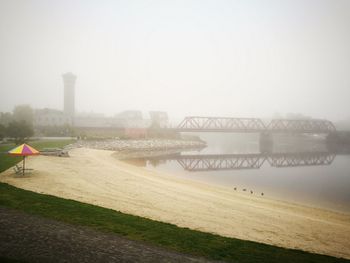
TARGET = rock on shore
x,y
138,145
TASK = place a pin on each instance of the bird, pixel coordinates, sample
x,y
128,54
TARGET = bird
x,y
244,190
251,192
235,188
262,194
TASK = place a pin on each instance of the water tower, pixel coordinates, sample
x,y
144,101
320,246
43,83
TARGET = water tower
x,y
69,94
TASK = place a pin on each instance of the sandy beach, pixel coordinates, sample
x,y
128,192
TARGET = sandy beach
x,y
97,177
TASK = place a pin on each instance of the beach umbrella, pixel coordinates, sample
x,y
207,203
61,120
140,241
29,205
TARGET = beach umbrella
x,y
23,150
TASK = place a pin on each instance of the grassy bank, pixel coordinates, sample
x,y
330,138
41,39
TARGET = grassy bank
x,y
9,260
157,233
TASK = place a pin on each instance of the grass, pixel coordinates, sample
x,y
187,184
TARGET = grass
x,y
153,232
9,260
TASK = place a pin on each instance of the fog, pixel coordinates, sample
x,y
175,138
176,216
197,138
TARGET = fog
x,y
229,58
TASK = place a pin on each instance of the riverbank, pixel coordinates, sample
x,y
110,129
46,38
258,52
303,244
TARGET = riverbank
x,y
96,177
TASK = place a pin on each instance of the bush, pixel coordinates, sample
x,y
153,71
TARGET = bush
x,y
19,131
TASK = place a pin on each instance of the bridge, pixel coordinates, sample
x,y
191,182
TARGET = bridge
x,y
254,125
216,162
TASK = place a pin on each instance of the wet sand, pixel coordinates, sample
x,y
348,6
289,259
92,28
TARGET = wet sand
x,y
96,177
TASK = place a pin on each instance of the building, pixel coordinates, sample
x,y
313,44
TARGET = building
x,y
159,118
135,133
50,117
69,94
129,123
129,115
130,119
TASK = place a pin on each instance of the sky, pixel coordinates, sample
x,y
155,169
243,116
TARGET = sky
x,y
192,57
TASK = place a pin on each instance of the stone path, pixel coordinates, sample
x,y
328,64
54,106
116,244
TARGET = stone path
x,y
35,239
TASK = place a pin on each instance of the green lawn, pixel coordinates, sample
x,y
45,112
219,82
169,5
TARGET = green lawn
x,y
157,233
9,260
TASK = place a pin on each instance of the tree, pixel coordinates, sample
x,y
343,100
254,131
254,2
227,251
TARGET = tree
x,y
2,131
5,118
23,113
20,131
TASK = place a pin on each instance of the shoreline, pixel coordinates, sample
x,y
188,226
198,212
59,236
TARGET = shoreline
x,y
96,177
139,158
304,202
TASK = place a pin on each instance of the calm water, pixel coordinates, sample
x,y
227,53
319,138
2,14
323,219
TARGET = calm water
x,y
300,170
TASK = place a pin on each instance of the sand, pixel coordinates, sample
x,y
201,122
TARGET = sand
x,y
96,177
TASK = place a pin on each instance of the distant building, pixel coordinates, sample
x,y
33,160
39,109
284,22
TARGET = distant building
x,y
92,122
159,118
69,94
89,114
135,133
129,115
130,119
127,119
50,117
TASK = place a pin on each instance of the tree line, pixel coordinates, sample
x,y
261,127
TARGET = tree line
x,y
18,124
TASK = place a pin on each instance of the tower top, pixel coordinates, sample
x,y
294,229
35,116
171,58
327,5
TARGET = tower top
x,y
69,75
69,80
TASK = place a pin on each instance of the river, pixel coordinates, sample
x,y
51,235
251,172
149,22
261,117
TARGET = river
x,y
298,170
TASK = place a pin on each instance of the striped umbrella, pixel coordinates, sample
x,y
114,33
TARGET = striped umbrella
x,y
23,150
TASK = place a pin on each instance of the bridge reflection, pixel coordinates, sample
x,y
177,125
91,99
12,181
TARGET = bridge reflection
x,y
216,162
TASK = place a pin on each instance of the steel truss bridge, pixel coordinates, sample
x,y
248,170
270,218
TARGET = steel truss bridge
x,y
253,125
196,163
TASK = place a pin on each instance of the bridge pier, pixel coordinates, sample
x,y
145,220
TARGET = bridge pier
x,y
266,142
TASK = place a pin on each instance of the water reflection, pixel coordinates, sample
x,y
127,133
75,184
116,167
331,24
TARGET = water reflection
x,y
216,162
306,171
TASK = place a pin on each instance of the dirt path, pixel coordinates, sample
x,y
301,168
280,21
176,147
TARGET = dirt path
x,y
36,239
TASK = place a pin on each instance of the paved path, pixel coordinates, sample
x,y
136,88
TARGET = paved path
x,y
36,239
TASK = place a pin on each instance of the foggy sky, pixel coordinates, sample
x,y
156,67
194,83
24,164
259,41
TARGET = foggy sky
x,y
230,58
